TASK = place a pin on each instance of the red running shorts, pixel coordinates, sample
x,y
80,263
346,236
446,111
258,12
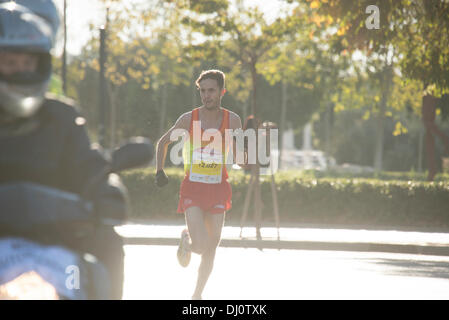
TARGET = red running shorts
x,y
213,198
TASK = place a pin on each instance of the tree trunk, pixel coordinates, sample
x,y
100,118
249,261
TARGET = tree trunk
x,y
378,153
284,98
328,128
64,51
194,91
386,84
246,107
254,85
420,149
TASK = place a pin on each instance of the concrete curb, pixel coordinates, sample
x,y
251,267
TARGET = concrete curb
x,y
437,250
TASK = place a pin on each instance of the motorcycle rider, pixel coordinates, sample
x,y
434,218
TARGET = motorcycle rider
x,y
43,139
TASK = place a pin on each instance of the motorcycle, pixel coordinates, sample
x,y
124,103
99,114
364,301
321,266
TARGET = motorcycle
x,y
32,264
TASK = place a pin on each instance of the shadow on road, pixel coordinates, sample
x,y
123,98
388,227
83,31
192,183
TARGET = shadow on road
x,y
409,268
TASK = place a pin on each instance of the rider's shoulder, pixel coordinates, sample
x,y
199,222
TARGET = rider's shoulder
x,y
61,107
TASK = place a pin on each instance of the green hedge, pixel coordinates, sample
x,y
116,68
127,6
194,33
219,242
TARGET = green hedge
x,y
305,199
383,175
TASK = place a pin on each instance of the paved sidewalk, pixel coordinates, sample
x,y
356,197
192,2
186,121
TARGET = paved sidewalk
x,y
303,238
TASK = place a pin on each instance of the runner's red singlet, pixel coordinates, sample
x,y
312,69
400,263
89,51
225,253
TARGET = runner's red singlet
x,y
214,194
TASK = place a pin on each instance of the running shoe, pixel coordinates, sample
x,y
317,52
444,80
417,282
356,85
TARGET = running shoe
x,y
184,253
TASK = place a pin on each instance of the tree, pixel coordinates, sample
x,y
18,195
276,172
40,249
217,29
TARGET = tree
x,y
144,59
244,36
304,63
403,37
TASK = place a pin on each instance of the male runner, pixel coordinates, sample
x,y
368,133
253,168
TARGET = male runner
x,y
205,193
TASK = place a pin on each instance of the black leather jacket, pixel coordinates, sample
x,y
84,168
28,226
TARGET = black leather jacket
x,y
57,153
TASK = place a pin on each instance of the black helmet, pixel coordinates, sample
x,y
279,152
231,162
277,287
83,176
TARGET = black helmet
x,y
45,9
27,26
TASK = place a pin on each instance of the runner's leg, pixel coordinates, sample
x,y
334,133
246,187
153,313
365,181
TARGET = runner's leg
x,y
214,224
197,229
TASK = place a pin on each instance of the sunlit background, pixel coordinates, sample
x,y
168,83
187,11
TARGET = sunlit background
x,y
81,14
347,99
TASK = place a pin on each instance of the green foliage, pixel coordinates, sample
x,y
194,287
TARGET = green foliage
x,y
382,176
443,105
208,6
418,30
156,49
55,86
239,41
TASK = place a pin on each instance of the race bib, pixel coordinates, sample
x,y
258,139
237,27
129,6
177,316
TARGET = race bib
x,y
206,166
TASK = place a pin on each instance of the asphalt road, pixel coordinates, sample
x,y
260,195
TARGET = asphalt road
x,y
152,272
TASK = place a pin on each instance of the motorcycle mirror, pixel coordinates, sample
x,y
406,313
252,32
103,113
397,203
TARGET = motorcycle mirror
x,y
137,152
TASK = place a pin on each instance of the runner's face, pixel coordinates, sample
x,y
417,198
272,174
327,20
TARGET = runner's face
x,y
11,62
210,93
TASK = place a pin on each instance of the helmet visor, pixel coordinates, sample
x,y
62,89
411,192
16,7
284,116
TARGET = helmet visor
x,y
22,29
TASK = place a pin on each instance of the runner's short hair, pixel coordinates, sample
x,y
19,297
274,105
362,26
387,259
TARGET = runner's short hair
x,y
211,74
